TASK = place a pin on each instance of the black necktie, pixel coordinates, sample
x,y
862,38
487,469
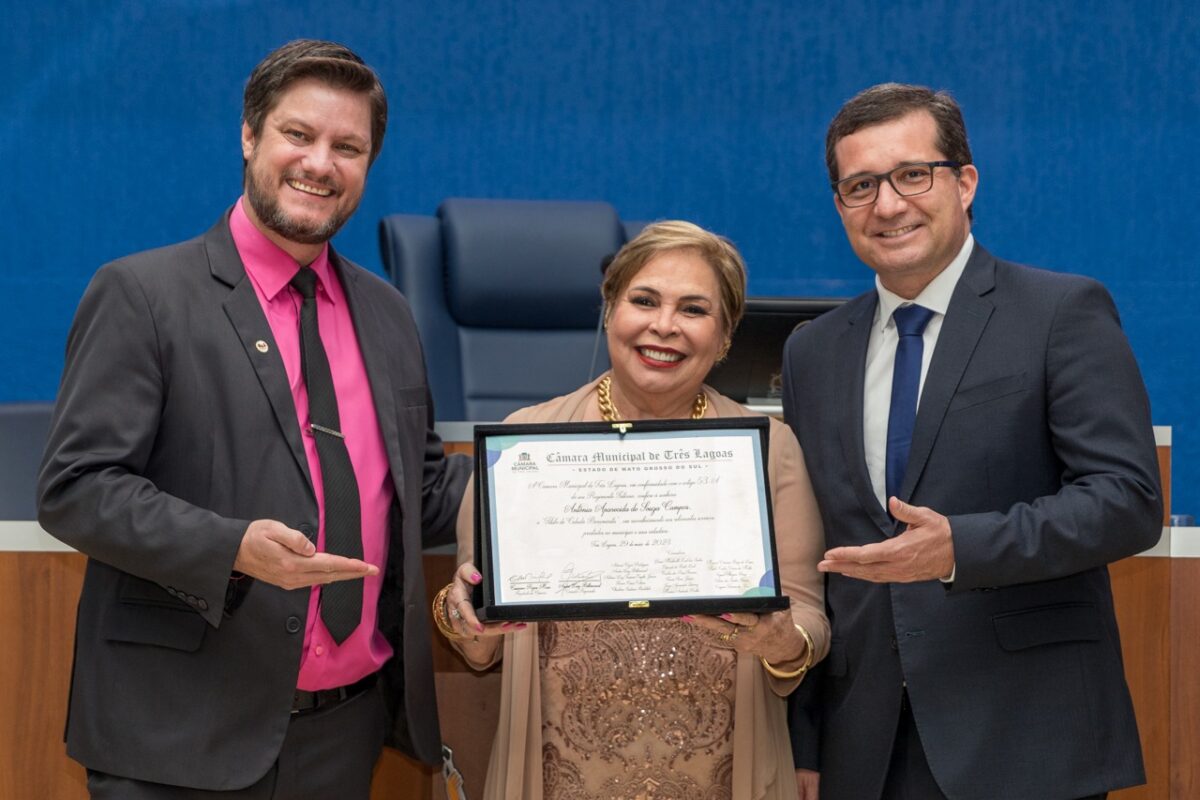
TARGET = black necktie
x,y
341,601
906,381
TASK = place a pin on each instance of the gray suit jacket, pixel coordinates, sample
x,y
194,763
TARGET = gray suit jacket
x,y
173,430
1033,436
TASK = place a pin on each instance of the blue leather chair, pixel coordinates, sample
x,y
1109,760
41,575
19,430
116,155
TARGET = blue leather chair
x,y
23,431
506,295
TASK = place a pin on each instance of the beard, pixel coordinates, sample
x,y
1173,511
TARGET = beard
x,y
266,207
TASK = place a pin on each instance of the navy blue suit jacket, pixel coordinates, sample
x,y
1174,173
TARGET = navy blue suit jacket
x,y
1033,436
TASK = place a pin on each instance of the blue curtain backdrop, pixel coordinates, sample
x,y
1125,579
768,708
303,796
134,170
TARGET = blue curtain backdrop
x,y
121,129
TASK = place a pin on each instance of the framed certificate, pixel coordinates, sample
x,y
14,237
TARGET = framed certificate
x,y
628,519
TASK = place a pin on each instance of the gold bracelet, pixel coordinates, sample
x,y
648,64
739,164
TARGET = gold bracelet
x,y
784,676
443,623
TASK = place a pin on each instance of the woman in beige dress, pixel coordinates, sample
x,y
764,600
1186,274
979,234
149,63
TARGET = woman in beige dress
x,y
678,709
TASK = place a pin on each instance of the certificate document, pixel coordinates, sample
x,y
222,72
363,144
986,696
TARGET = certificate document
x,y
662,518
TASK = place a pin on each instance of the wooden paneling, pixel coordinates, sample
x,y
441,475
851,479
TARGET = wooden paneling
x,y
1142,595
38,595
1157,601
1158,608
1185,678
467,448
398,777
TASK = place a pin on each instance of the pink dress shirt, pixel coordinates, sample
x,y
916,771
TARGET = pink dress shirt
x,y
324,664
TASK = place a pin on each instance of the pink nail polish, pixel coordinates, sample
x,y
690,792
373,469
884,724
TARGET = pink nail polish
x,y
687,618
475,577
727,617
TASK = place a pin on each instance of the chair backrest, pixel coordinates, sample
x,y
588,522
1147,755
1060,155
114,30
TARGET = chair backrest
x,y
23,431
506,295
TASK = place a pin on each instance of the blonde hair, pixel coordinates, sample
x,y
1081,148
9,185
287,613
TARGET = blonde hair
x,y
661,237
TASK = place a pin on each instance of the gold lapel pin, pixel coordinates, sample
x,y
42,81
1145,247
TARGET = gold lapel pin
x,y
261,346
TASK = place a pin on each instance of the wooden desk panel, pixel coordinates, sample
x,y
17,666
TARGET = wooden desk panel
x,y
1185,678
38,596
39,593
1141,595
1157,601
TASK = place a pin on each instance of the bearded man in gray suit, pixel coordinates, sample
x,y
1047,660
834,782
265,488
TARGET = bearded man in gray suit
x,y
243,447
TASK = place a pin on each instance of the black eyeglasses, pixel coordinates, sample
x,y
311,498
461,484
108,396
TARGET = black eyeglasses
x,y
906,180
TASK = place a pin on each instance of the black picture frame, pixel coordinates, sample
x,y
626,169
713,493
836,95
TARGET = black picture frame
x,y
485,597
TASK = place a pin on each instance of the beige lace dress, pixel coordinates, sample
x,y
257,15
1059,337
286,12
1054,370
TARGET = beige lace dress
x,y
635,709
653,709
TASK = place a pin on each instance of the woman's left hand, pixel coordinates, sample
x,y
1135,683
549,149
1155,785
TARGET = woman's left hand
x,y
772,636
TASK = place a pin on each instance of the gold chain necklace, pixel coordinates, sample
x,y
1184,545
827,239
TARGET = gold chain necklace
x,y
609,412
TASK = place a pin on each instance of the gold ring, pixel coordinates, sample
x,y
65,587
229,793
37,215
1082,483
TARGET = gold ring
x,y
734,633
454,614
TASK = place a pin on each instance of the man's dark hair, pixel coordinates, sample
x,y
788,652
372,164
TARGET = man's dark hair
x,y
329,62
890,101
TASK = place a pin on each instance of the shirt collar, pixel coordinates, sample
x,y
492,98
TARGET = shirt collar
x,y
267,264
936,296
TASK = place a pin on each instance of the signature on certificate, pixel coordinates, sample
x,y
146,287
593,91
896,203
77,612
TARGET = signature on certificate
x,y
576,581
529,583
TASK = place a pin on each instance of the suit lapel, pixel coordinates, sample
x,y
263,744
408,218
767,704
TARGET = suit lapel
x,y
966,318
848,387
372,344
246,315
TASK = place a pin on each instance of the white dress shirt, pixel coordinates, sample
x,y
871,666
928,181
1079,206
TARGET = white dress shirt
x,y
881,357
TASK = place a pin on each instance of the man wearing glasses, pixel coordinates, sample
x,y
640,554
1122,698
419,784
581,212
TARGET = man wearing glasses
x,y
979,440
